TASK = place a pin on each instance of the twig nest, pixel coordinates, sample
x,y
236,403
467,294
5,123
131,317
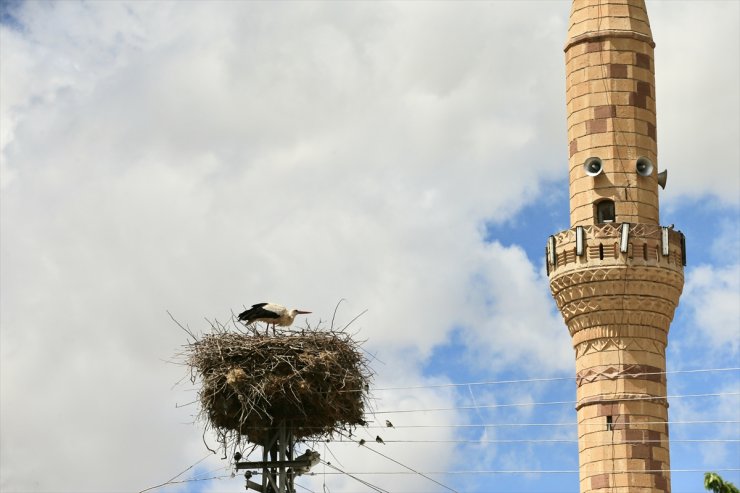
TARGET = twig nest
x,y
315,380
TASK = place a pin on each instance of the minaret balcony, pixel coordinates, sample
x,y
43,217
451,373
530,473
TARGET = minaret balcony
x,y
614,244
616,278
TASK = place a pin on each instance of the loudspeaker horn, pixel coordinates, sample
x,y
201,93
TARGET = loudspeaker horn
x,y
593,166
644,166
663,178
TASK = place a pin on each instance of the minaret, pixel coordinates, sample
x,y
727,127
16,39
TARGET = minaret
x,y
616,274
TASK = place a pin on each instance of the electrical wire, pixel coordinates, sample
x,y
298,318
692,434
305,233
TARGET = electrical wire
x,y
182,481
526,425
562,440
327,449
172,479
414,471
546,403
543,471
364,444
547,379
212,471
351,475
307,489
551,403
498,425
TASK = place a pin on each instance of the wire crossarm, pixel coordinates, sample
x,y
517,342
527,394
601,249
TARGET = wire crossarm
x,y
278,466
301,464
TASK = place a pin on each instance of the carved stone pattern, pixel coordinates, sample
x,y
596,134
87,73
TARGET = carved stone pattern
x,y
613,230
567,236
645,296
613,273
626,304
617,398
625,330
639,344
614,372
607,318
668,292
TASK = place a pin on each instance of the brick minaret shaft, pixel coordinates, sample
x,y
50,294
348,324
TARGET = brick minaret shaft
x,y
616,275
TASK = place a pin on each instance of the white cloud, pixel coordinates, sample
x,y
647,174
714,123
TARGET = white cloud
x,y
713,295
515,319
698,102
720,412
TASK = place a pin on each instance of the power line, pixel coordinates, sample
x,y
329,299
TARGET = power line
x,y
351,475
172,479
552,403
547,403
414,471
543,471
548,379
499,425
212,471
559,440
181,481
523,425
362,443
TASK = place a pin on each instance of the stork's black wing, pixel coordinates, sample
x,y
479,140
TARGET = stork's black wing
x,y
256,312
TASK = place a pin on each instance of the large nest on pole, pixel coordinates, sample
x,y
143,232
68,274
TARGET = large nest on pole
x,y
316,381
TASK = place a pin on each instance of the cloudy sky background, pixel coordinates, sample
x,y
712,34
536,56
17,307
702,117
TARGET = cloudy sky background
x,y
409,157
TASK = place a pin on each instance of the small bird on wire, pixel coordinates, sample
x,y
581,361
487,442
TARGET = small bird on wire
x,y
388,424
237,456
270,313
379,440
362,441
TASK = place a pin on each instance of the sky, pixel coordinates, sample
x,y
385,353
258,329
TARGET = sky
x,y
407,157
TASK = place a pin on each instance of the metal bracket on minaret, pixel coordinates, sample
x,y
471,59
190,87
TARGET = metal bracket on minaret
x,y
579,240
551,255
664,241
624,241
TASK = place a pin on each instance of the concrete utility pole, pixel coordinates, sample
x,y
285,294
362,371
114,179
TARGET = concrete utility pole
x,y
616,275
278,471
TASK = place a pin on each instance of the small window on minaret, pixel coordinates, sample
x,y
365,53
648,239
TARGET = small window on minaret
x,y
609,425
605,211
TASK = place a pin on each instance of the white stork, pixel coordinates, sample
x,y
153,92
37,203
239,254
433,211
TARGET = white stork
x,y
270,313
